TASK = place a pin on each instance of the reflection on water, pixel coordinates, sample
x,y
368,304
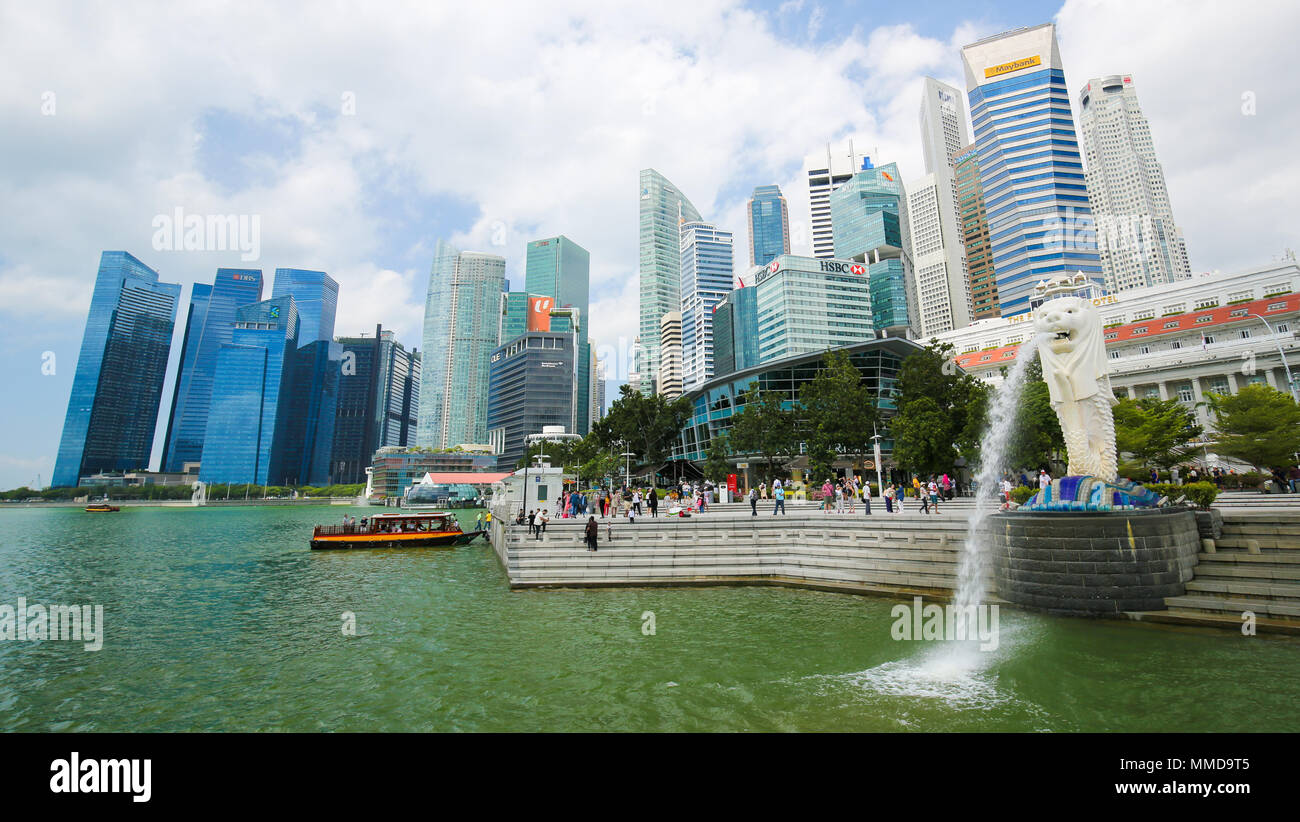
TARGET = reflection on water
x,y
222,619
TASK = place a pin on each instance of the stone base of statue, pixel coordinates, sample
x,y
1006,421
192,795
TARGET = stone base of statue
x,y
1092,563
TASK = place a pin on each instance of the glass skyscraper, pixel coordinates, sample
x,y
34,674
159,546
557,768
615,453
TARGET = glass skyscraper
x,y
316,296
462,318
113,409
1039,218
706,276
870,224
251,396
379,395
559,268
210,323
662,209
769,225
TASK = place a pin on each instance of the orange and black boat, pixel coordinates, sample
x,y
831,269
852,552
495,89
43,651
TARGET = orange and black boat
x,y
100,508
407,530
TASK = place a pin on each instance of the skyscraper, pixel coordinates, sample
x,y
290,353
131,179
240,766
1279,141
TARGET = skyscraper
x,y
461,323
252,395
975,234
670,355
662,209
938,256
316,296
1040,223
769,225
113,408
870,222
558,267
1137,239
943,125
827,170
533,386
306,439
209,324
706,274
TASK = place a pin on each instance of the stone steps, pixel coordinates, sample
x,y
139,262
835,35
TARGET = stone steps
x,y
1233,606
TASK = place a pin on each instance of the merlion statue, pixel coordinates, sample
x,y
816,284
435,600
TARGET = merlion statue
x,y
1074,366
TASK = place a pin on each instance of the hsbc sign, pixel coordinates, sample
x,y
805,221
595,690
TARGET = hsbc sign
x,y
832,267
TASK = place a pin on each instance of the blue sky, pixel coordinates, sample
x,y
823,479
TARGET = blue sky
x,y
493,125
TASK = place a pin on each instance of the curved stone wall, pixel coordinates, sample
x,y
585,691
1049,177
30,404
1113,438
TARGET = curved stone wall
x,y
1093,563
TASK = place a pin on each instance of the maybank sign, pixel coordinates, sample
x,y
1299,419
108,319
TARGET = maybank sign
x,y
1014,65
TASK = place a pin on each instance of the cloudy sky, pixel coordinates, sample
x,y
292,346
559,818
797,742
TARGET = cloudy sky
x,y
360,136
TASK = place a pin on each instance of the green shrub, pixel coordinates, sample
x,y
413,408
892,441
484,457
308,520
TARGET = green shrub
x,y
1022,494
1201,494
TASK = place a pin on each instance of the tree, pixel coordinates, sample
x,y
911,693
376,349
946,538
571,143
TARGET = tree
x,y
941,411
649,425
1259,425
765,427
1037,437
838,413
1155,433
716,464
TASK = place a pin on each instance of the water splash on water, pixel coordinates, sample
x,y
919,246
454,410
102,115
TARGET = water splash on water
x,y
993,455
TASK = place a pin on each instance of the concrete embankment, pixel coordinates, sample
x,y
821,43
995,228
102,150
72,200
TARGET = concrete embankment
x,y
1254,566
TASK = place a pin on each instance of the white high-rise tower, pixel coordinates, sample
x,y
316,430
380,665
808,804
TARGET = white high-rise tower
x,y
1137,238
938,253
828,170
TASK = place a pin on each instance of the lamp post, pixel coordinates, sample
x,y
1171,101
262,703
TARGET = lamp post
x,y
1290,383
875,444
627,465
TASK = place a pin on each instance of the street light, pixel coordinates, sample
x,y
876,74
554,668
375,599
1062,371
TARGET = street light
x,y
1290,383
627,464
875,443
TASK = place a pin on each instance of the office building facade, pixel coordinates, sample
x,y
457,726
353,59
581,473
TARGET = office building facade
x,y
558,267
670,355
252,396
533,385
316,297
1137,239
805,304
461,324
1031,169
662,210
768,217
826,171
974,226
209,324
706,275
938,256
379,393
113,409
871,226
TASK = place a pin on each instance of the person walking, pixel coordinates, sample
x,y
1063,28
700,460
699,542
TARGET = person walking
x,y
778,492
762,490
1044,479
839,498
532,522
753,502
652,499
934,495
888,494
636,501
592,531
828,493
851,494
866,496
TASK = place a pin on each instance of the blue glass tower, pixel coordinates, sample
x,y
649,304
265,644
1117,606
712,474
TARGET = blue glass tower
x,y
113,409
869,222
210,324
1039,217
305,439
251,395
769,225
316,296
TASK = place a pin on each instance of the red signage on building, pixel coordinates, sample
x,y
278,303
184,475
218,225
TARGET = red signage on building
x,y
539,313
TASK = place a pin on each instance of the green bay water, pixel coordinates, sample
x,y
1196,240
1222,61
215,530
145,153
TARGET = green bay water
x,y
221,619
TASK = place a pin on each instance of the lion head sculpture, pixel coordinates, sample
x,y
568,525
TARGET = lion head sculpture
x,y
1073,351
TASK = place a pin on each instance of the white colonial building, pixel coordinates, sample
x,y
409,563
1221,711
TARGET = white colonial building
x,y
1211,333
